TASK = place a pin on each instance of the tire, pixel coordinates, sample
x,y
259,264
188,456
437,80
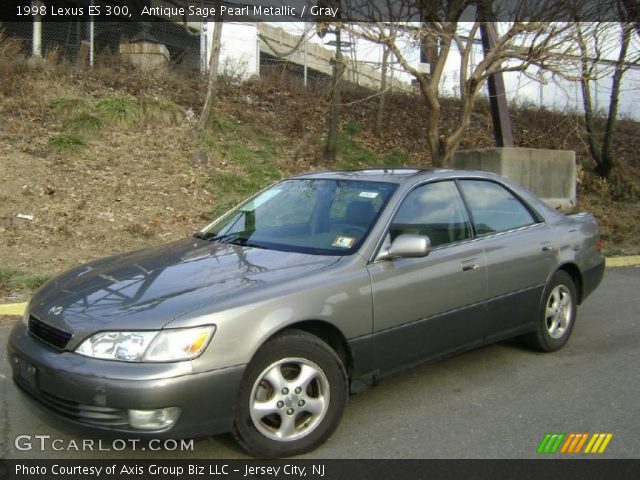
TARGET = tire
x,y
292,396
557,314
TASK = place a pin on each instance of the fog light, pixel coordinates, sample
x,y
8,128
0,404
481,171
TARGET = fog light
x,y
157,419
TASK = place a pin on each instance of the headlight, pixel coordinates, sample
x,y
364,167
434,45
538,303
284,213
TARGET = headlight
x,y
182,344
148,346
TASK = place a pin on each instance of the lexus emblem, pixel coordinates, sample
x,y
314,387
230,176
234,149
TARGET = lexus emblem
x,y
55,310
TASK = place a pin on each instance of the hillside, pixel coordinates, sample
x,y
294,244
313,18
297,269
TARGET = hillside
x,y
106,160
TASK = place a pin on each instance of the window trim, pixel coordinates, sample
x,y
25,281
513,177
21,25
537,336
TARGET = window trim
x,y
539,220
387,227
536,217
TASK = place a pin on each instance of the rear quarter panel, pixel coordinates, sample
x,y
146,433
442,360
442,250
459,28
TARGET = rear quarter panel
x,y
577,239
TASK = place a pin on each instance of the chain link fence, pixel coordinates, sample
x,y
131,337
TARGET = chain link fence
x,y
86,43
288,55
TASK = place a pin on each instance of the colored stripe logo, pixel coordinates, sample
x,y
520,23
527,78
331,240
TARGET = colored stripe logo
x,y
598,443
574,443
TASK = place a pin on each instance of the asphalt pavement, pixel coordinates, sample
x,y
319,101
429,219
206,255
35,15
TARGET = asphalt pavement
x,y
495,402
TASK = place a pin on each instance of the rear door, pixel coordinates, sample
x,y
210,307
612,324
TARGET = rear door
x,y
519,250
424,307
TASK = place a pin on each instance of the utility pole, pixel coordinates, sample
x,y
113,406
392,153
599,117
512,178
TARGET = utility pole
x,y
495,82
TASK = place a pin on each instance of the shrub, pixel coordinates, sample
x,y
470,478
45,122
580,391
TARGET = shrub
x,y
120,110
69,142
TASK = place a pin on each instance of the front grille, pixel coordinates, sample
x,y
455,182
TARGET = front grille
x,y
87,414
48,334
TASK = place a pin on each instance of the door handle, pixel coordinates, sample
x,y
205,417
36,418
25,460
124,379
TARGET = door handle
x,y
547,248
469,268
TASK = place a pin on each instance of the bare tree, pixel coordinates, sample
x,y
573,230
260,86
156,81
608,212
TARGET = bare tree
x,y
323,27
517,46
597,43
331,147
382,98
212,84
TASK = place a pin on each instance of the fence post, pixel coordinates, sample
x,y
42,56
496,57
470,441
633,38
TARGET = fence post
x,y
305,54
36,49
204,58
91,40
258,58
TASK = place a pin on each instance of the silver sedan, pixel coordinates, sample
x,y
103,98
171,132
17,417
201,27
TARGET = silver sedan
x,y
316,287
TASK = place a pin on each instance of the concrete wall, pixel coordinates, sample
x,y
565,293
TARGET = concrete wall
x,y
144,55
550,174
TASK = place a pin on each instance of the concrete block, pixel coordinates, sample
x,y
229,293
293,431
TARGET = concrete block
x,y
145,55
550,174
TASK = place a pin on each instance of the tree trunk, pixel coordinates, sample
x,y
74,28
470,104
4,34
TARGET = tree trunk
x,y
433,128
383,93
606,156
601,153
212,86
585,86
331,148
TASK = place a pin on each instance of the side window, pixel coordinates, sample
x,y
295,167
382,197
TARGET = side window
x,y
493,208
435,210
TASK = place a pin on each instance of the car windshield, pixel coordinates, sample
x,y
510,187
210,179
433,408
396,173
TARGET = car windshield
x,y
324,217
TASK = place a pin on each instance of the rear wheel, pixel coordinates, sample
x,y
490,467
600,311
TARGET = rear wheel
x,y
557,315
292,396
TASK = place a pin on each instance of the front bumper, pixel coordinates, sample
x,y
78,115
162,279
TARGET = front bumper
x,y
97,393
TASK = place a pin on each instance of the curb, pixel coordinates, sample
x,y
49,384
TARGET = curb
x,y
13,308
630,261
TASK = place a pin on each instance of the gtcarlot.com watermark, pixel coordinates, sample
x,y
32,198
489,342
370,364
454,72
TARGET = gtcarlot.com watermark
x,y
44,443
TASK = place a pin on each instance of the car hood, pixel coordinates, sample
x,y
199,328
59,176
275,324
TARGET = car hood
x,y
149,288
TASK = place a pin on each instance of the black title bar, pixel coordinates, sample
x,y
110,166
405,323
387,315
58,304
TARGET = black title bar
x,y
183,11
319,469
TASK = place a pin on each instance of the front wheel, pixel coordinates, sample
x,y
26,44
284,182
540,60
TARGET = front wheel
x,y
292,396
557,315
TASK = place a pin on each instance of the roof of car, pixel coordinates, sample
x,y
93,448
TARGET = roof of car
x,y
391,175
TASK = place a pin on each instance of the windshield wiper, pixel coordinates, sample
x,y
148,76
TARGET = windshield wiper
x,y
236,239
227,238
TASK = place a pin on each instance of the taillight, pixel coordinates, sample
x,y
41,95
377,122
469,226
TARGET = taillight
x,y
598,243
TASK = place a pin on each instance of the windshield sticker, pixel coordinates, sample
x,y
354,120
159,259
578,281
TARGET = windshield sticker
x,y
368,194
343,242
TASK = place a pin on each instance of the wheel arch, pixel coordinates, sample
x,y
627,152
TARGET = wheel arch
x,y
574,272
328,333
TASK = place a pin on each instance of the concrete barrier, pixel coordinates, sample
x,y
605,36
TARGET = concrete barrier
x,y
145,55
550,174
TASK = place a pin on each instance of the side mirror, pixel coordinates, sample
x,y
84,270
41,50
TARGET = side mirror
x,y
407,246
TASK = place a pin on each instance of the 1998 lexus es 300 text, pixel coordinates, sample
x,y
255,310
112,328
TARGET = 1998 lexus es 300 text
x,y
320,285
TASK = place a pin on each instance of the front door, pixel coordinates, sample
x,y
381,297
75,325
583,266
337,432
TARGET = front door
x,y
425,307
